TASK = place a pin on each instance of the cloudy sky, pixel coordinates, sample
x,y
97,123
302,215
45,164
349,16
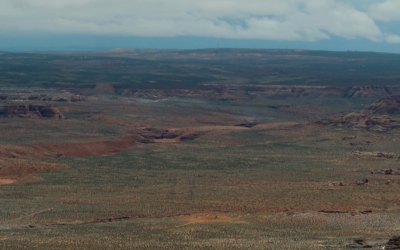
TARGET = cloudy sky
x,y
312,24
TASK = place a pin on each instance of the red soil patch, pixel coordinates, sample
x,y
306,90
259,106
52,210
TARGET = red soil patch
x,y
100,148
15,162
17,152
6,181
12,170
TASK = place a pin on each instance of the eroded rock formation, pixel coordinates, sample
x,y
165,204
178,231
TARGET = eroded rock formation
x,y
41,97
234,92
386,105
363,120
40,111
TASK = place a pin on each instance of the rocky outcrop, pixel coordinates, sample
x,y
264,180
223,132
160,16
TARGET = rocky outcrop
x,y
40,111
247,124
105,88
325,91
361,243
362,120
375,154
76,98
356,212
388,172
393,243
234,92
372,91
386,105
214,94
298,91
152,135
47,112
15,110
360,143
41,97
346,138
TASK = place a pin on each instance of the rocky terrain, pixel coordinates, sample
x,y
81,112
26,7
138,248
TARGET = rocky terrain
x,y
233,145
212,93
362,120
23,111
231,92
386,105
40,97
228,92
392,243
374,118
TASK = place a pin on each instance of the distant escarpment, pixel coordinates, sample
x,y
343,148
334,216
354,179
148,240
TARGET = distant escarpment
x,y
23,111
230,92
212,93
324,91
373,91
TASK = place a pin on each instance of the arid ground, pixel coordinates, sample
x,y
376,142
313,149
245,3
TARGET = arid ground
x,y
209,149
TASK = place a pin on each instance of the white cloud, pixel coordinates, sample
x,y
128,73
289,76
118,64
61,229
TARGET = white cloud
x,y
308,20
393,39
388,10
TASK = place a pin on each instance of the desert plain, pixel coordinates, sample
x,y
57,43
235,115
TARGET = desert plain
x,y
200,149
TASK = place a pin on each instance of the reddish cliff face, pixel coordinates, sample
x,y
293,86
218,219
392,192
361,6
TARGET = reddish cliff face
x,y
31,111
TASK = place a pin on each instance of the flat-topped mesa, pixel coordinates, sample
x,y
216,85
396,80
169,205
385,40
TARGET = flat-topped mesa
x,y
40,111
386,105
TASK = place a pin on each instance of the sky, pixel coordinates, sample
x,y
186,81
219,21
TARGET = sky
x,y
365,25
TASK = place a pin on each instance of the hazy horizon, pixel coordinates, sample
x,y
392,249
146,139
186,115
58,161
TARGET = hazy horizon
x,y
332,25
81,43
